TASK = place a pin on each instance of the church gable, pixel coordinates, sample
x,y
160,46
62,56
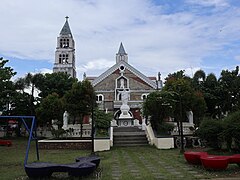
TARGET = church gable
x,y
135,82
123,68
107,83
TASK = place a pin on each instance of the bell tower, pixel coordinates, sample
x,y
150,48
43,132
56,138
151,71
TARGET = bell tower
x,y
65,52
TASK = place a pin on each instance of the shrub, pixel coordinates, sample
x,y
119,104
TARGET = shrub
x,y
210,131
231,131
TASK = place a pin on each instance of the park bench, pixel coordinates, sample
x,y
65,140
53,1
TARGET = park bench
x,y
85,166
211,162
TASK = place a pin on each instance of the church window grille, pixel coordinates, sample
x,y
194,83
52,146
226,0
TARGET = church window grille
x,y
63,58
64,43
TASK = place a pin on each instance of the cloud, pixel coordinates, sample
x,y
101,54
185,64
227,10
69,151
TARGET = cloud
x,y
155,41
216,3
237,58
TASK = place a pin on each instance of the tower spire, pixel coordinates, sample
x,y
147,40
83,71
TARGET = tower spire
x,y
121,55
121,50
66,28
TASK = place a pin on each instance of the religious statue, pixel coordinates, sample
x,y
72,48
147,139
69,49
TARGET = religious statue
x,y
125,97
122,83
65,119
190,117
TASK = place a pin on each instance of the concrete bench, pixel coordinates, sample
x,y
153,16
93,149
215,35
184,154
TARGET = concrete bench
x,y
84,167
194,157
211,162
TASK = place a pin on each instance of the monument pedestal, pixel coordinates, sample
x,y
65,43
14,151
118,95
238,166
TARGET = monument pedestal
x,y
125,122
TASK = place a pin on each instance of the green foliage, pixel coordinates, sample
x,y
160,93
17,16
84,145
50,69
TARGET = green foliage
x,y
186,98
231,131
102,119
58,83
158,106
229,83
51,107
80,99
6,85
57,133
102,122
210,130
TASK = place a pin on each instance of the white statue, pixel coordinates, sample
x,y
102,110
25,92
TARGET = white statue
x,y
125,107
65,119
190,117
125,97
122,83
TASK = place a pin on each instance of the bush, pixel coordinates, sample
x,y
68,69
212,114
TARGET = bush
x,y
231,131
210,130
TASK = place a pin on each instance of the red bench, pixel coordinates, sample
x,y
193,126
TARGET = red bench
x,y
194,157
212,162
5,142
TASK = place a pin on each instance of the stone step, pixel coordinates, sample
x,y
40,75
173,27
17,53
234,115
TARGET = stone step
x,y
128,145
128,137
127,129
129,134
141,141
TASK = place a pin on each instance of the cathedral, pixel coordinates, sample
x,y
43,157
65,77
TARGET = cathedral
x,y
110,84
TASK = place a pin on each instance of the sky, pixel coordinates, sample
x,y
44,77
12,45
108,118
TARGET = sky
x,y
158,35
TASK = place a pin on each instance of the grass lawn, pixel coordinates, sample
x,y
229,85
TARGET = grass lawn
x,y
120,163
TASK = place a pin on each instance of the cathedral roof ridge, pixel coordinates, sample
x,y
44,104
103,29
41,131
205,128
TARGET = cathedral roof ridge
x,y
66,28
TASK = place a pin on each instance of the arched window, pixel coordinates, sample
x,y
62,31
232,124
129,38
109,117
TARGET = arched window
x,y
100,98
144,96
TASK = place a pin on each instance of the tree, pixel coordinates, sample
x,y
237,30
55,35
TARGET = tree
x,y
6,85
50,108
159,106
198,79
229,83
31,82
80,99
211,95
185,96
59,83
102,122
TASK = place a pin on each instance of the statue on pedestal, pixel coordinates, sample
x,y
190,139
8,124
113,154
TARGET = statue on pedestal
x,y
124,107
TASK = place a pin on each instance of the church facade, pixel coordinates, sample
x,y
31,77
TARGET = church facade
x,y
110,84
123,77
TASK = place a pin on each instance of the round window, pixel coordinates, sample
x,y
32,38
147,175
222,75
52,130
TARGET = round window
x,y
121,67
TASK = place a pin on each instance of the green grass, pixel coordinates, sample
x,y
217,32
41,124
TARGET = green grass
x,y
120,159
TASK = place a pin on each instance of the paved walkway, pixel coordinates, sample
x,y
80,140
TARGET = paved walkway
x,y
156,167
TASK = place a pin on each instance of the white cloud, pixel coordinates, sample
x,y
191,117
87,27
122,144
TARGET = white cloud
x,y
216,3
237,57
153,40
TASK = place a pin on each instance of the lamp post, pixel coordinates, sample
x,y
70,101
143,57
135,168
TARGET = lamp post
x,y
181,125
93,128
8,104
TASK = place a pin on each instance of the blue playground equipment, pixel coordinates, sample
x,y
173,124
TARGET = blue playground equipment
x,y
82,167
